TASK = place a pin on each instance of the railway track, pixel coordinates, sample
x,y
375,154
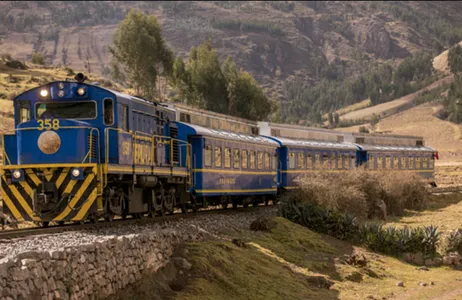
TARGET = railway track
x,y
10,234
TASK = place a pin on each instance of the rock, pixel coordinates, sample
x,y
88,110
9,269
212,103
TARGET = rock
x,y
239,243
262,224
400,284
432,283
422,284
182,263
357,259
320,282
423,268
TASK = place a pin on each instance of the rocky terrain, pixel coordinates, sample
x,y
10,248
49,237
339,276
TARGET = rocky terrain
x,y
275,41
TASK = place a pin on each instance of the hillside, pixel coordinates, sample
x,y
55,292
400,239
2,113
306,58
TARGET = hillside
x,y
275,41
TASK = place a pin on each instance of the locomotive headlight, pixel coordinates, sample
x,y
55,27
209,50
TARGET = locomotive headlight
x,y
81,91
75,172
43,93
17,175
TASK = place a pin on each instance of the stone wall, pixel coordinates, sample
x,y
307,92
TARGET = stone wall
x,y
92,271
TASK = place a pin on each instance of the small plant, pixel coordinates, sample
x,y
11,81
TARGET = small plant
x,y
454,241
37,58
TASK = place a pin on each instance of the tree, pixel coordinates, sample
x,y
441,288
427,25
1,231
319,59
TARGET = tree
x,y
142,52
330,117
455,59
336,118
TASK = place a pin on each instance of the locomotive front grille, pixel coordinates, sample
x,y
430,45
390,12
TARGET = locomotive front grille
x,y
92,145
176,152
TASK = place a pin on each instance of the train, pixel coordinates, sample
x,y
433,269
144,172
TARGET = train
x,y
80,152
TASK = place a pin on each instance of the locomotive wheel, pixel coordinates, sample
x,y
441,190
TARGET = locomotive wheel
x,y
169,202
44,224
224,205
109,217
184,210
234,203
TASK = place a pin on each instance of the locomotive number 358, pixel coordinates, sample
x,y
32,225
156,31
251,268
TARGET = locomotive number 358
x,y
48,124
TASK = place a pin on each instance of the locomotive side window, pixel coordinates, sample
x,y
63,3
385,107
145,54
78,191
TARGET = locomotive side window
x,y
292,160
236,159
301,160
218,157
24,111
309,161
123,116
108,109
260,160
244,159
275,161
252,159
227,158
208,156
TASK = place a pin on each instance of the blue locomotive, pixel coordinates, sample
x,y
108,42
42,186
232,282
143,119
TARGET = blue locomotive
x,y
82,152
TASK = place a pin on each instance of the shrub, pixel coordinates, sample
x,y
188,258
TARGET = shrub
x,y
5,56
69,71
365,194
16,64
454,241
37,58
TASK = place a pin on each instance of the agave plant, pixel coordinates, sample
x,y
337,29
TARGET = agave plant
x,y
431,238
454,241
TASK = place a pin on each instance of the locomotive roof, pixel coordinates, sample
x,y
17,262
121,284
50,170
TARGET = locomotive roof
x,y
315,144
222,134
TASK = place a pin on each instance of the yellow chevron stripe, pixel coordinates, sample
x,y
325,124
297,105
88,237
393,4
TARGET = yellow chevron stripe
x,y
48,174
27,188
62,177
23,202
33,177
10,205
76,198
70,186
83,211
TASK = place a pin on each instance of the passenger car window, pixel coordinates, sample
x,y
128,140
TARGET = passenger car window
x,y
236,159
260,160
108,111
333,161
267,161
411,163
424,162
417,163
252,159
227,158
403,160
325,161
244,159
395,162
370,162
317,160
291,160
339,161
309,161
208,156
275,161
379,162
218,157
388,162
301,160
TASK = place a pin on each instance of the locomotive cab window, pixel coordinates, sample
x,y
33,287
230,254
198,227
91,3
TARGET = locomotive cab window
x,y
208,156
108,110
82,110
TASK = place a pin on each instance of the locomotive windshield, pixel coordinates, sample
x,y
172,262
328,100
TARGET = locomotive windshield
x,y
66,110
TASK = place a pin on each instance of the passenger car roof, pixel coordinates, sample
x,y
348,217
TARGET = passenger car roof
x,y
315,144
222,134
397,148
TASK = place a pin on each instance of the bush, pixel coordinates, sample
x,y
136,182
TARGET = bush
x,y
69,71
454,241
37,58
16,64
365,194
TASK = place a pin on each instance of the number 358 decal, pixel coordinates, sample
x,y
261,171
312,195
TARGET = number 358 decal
x,y
48,124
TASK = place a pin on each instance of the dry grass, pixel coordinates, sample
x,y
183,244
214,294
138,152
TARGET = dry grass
x,y
440,62
351,108
366,194
392,107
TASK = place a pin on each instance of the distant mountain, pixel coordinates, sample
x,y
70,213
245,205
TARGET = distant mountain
x,y
274,41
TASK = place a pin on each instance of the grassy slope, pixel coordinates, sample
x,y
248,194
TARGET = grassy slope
x,y
279,263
